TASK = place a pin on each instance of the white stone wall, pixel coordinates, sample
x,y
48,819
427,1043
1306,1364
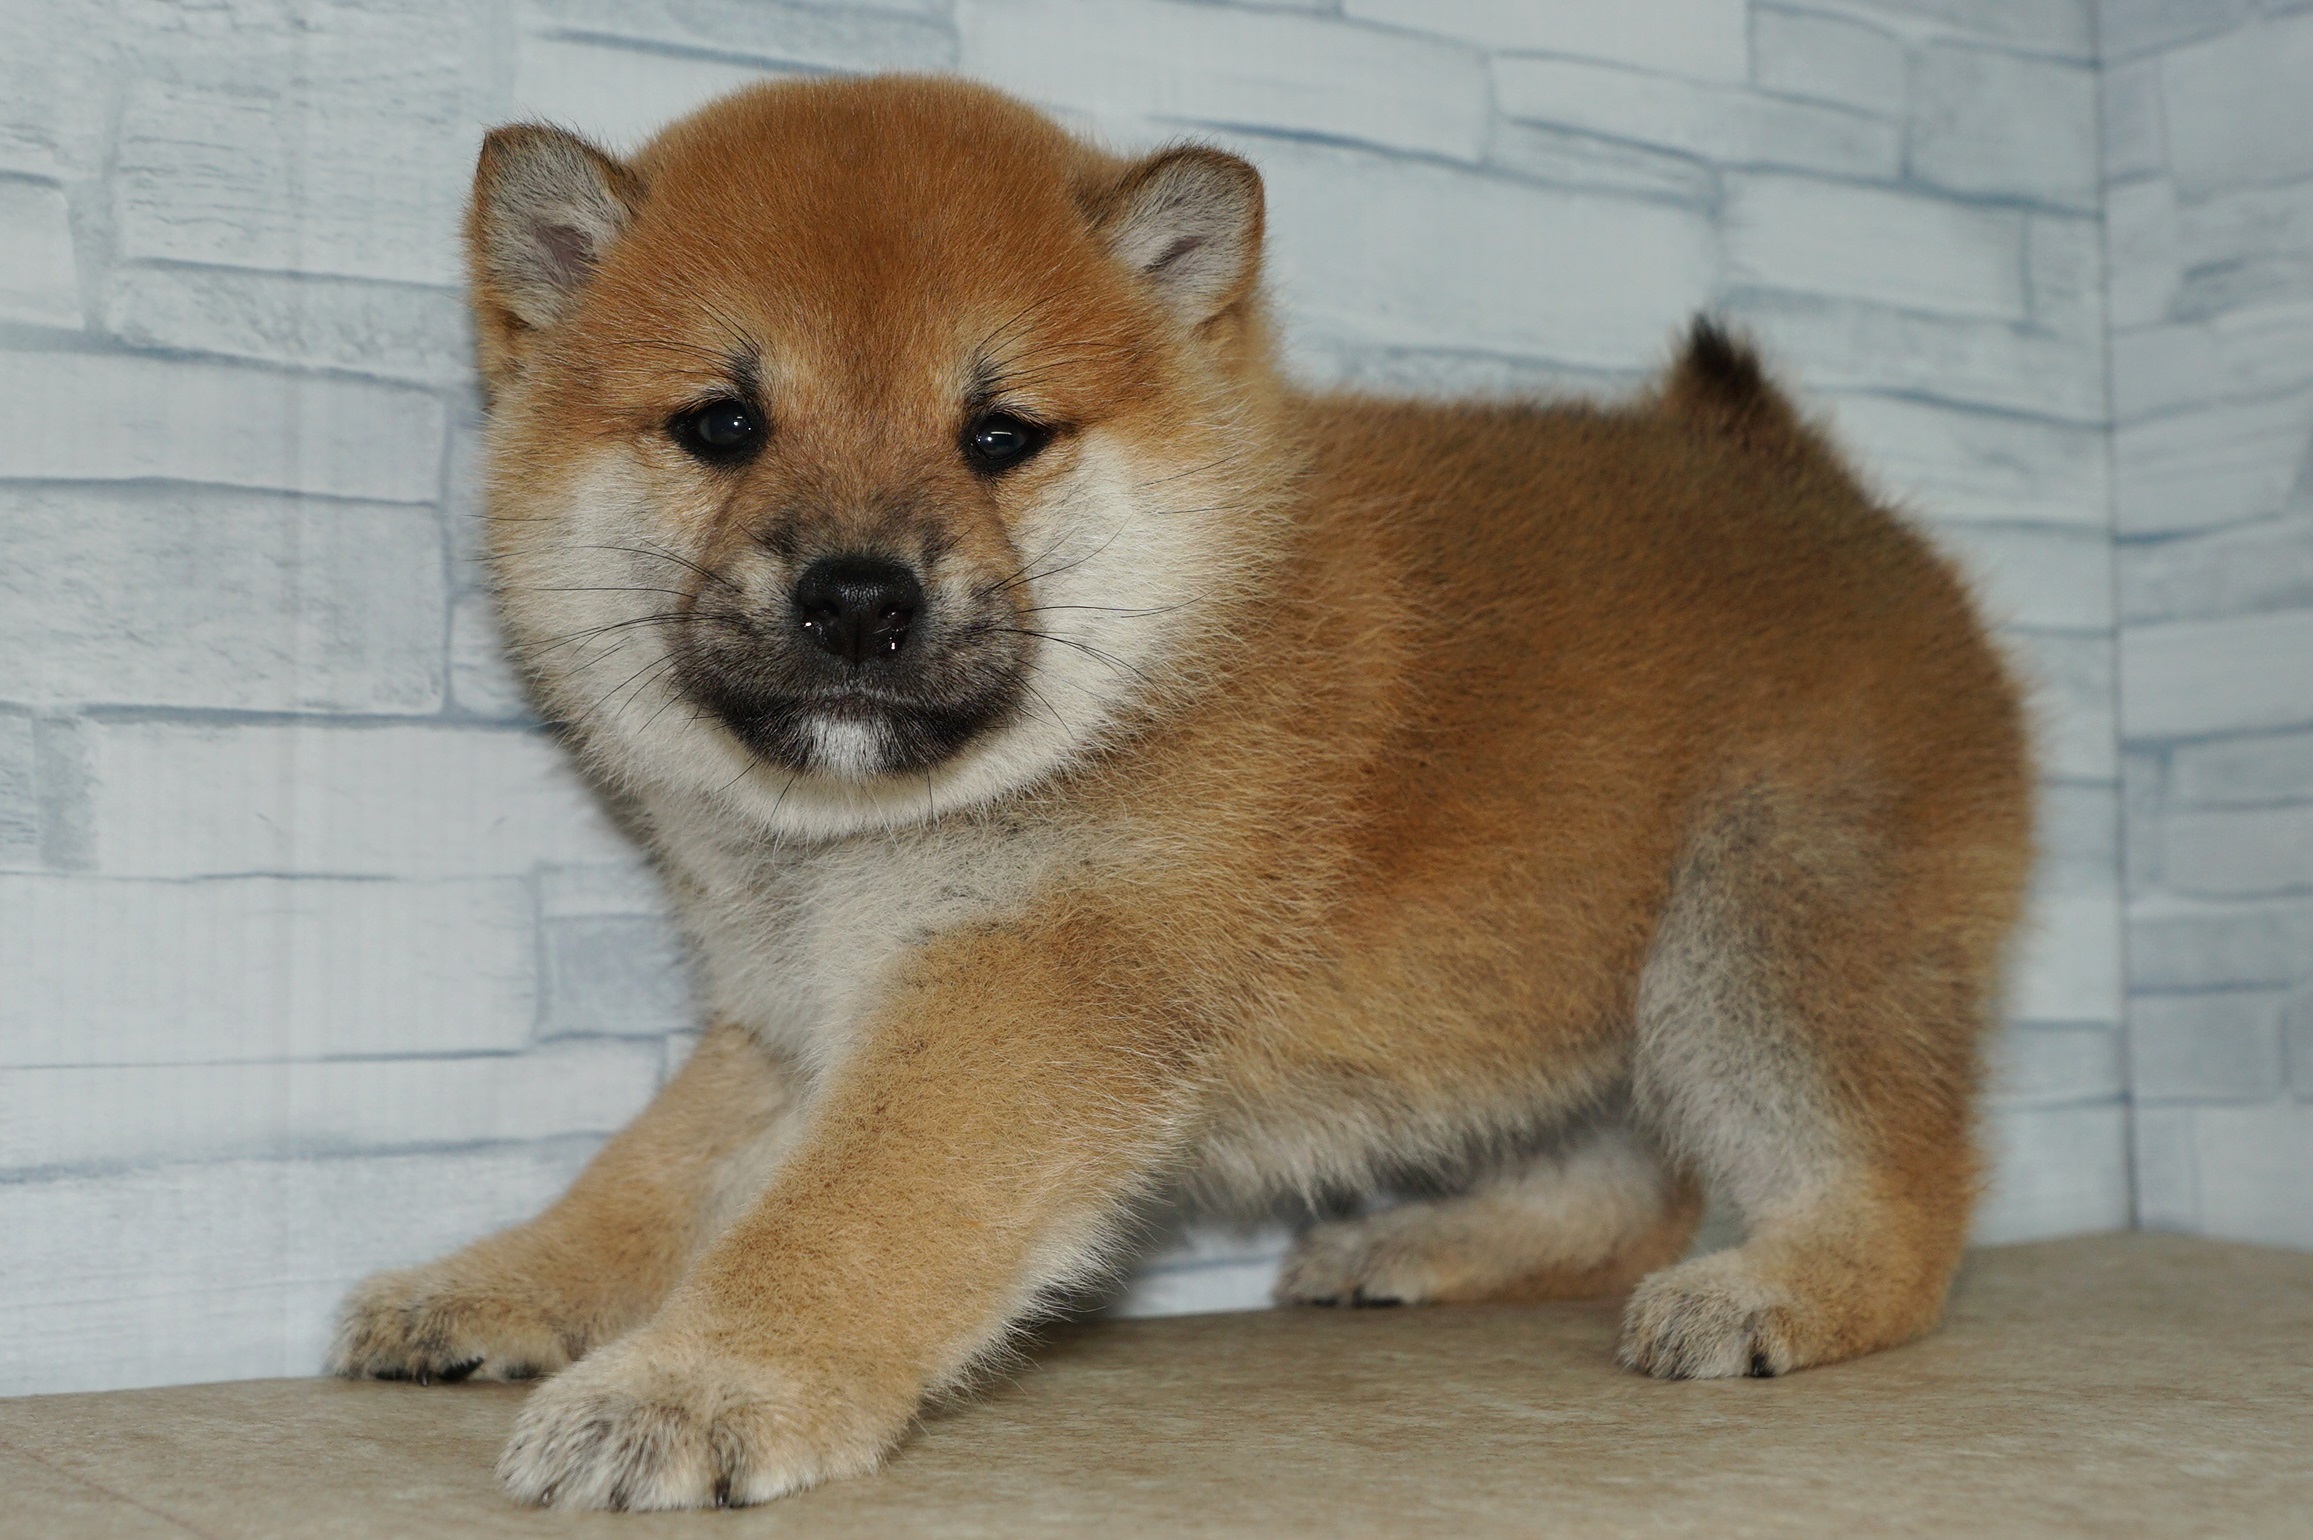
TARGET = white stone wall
x,y
313,958
2208,132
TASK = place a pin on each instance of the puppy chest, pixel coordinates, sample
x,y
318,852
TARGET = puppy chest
x,y
799,949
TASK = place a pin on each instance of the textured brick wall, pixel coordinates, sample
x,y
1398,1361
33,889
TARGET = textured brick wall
x,y
2209,155
312,956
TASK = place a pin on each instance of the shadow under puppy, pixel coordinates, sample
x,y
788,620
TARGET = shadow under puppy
x,y
1086,765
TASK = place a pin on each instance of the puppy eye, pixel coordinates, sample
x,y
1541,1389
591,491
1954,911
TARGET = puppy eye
x,y
720,431
997,441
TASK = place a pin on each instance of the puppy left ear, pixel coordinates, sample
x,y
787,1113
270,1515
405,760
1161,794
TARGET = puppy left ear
x,y
1188,221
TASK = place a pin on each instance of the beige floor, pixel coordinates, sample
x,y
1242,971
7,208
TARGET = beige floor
x,y
2129,1385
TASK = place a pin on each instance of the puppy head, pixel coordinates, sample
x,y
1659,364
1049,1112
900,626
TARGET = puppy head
x,y
865,449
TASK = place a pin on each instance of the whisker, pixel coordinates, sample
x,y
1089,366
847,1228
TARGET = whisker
x,y
673,345
542,648
1067,566
674,697
1086,648
653,549
595,589
1022,573
666,666
1112,609
1042,300
1194,470
1043,366
661,662
1006,581
587,665
732,329
792,777
1057,720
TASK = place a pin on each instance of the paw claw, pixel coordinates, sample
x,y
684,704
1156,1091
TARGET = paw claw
x,y
1711,1318
657,1421
434,1325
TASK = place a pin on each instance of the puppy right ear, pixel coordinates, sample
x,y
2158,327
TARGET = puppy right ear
x,y
547,207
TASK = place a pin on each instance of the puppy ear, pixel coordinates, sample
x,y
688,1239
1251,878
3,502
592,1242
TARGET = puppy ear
x,y
1188,221
546,208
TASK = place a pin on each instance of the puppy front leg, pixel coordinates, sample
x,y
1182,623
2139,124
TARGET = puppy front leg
x,y
530,1299
986,1127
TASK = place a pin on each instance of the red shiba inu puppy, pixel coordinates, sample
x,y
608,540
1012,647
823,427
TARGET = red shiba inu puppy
x,y
1086,765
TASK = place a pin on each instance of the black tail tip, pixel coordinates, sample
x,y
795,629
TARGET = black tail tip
x,y
1719,384
1717,367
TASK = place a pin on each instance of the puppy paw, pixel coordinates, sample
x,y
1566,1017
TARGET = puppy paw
x,y
662,1420
1711,1318
440,1323
1378,1260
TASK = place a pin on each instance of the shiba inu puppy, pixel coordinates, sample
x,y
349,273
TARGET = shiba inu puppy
x,y
1087,766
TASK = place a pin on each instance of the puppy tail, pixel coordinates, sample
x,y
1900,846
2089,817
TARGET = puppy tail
x,y
1718,386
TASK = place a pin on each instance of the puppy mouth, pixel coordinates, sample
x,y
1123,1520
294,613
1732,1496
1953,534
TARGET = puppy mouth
x,y
853,734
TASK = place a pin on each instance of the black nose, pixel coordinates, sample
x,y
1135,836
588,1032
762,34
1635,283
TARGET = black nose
x,y
857,607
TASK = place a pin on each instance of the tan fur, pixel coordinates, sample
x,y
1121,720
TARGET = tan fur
x,y
534,1299
1590,801
1589,1219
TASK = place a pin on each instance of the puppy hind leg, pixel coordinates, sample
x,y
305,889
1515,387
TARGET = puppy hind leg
x,y
1806,1039
1587,1219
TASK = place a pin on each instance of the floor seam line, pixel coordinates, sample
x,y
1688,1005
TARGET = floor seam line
x,y
72,1475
